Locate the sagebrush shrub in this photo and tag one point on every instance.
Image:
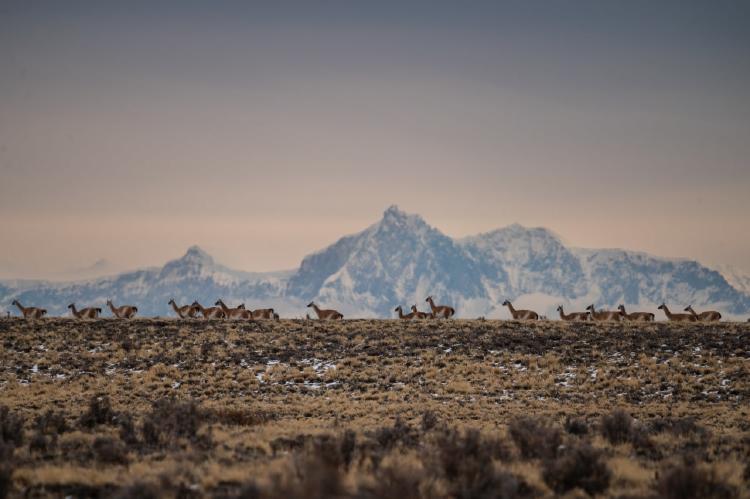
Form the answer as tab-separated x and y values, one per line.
99	412
688	481
11	427
579	466
617	427
535	438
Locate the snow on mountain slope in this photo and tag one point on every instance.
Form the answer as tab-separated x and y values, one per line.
737	278
400	260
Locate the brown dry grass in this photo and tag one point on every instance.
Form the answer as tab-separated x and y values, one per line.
265	408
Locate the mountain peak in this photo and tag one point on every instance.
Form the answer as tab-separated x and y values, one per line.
393	211
393	216
195	254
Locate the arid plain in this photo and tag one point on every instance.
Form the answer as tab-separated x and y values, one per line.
373	408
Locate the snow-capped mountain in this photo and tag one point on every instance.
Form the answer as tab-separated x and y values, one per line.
399	261
195	276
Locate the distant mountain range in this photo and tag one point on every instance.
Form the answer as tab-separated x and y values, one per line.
400	260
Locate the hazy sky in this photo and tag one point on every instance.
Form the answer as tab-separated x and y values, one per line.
262	132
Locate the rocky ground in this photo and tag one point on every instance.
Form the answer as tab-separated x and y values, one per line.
373	408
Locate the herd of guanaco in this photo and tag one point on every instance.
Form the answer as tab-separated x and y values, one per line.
221	311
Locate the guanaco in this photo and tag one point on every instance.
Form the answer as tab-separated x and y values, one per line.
403	316
325	314
573	316
677	317
185	311
234	313
210	312
263	313
85	313
708	316
636	316
603	315
421	315
30	312
521	315
123	312
443	311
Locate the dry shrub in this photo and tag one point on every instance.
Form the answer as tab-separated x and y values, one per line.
617	427
51	423
99	412
466	460
110	450
171	419
399	433
688	481
535	438
429	420
678	426
6	480
397	478
11	428
580	466
127	429
576	426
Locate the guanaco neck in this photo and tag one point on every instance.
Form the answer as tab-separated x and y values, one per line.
666	311
224	307
112	307
20	307
317	309
73	309
432	304
690	309
175	308
510	307
562	314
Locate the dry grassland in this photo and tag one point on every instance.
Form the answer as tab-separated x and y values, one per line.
373	408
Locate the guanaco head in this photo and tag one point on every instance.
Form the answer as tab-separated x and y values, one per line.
560	309
590	308
311	304
71	306
689	308
15	303
506	303
195	304
109	302
218	303
398	309
428	298
662	306
241	306
414	308
43	311
171	302
621	308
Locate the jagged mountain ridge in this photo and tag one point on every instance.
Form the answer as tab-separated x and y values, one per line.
400	260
